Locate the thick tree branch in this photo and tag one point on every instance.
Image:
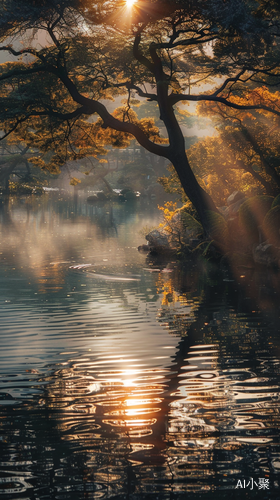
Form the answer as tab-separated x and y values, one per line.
91	106
17	53
139	56
132	86
141	93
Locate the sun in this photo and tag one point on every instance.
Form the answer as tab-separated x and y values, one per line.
129	3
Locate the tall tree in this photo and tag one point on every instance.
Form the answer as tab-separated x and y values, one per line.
163	51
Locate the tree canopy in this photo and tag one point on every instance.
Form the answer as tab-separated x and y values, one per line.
70	57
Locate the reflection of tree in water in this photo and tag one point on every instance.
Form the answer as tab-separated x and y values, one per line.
232	385
181	294
200	424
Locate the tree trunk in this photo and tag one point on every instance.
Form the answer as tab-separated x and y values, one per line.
177	152
199	198
177	155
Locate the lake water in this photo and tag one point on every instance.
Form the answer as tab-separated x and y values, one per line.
129	378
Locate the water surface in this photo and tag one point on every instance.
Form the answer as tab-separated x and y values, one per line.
126	378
